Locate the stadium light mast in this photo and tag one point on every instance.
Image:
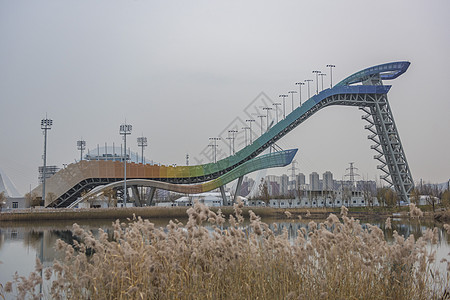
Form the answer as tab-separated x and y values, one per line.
292	93
251	132
142	142
300	90
81	145
276	108
245	129
284	105
321	75
317	80
331	74
261	117
308	81
46	124
125	129
267	116
215	139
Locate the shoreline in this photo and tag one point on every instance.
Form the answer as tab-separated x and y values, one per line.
361	213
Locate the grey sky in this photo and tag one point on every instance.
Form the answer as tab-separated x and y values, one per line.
181	71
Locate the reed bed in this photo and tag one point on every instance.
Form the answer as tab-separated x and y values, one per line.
336	259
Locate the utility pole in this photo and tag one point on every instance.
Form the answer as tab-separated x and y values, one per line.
292	169
352	174
46	124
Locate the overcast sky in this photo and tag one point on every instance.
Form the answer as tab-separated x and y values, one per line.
182	71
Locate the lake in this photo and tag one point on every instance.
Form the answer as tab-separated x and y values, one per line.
21	243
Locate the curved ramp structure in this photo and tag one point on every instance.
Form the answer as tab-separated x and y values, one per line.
363	89
272	160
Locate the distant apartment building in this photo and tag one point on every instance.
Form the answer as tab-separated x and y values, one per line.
246	187
328	183
284	184
314	181
301	179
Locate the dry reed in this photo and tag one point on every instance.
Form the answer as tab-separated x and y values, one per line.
337	259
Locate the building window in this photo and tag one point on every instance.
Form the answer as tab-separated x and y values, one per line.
354	201
15	205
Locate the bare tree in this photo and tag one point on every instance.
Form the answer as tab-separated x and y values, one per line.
415	196
2	200
111	196
264	191
33	200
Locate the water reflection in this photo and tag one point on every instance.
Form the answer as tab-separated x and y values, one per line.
21	243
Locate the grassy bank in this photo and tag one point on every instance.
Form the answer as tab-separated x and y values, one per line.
180	212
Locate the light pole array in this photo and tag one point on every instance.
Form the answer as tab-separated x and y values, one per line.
331	74
267	116
215	139
321	75
251	132
245	130
81	145
142	142
230	139
276	108
292	93
46	124
300	90
261	117
284	105
308	81
317	82
125	129
233	132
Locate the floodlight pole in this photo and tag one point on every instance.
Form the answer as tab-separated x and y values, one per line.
125	129
292	93
308	81
215	139
276	108
261	117
46	124
251	132
142	142
300	90
331	74
284	105
81	144
245	129
267	116
321	75
317	82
